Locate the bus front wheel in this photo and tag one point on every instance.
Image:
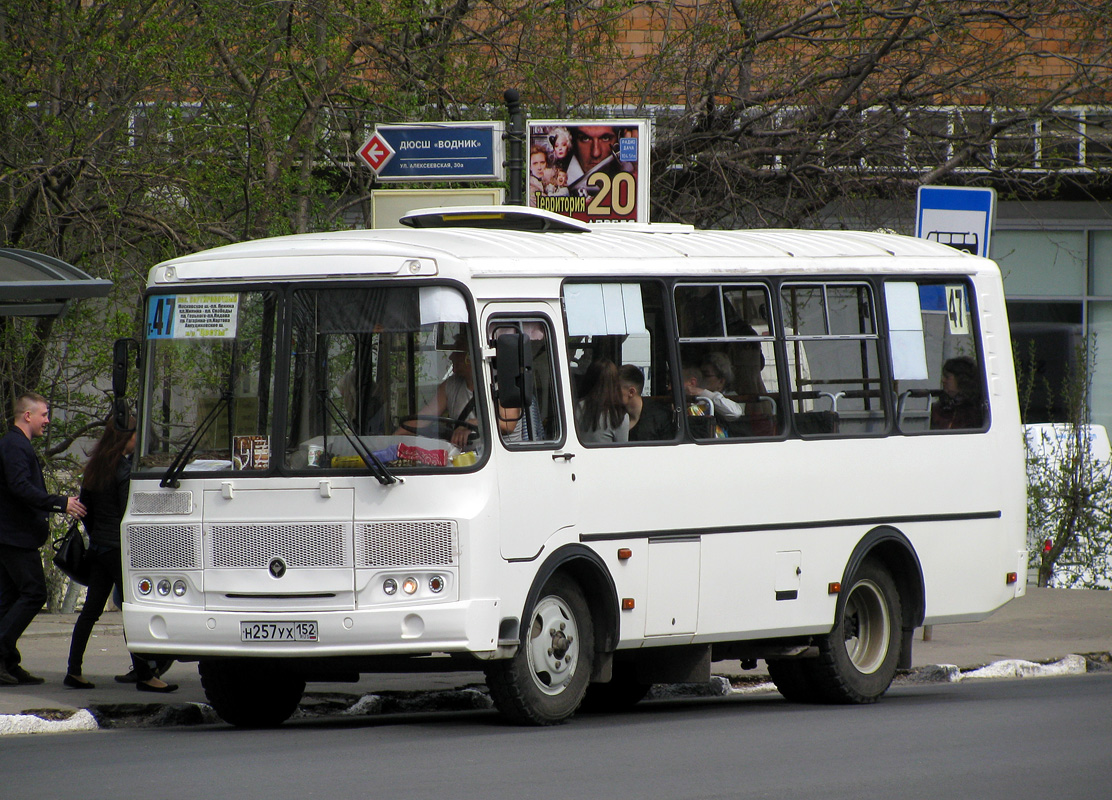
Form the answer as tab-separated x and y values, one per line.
545	681
857	660
250	693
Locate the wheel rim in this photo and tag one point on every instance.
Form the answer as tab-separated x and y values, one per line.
553	646
867	627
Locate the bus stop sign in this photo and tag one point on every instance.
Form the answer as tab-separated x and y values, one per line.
958	216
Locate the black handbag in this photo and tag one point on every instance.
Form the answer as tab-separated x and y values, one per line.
71	555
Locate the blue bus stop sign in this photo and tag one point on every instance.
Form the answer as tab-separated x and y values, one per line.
958	216
440	151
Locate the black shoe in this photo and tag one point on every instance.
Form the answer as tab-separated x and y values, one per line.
7	679
146	687
77	682
159	667
23	677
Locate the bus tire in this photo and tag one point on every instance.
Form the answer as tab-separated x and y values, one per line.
546	680
793	679
250	694
857	660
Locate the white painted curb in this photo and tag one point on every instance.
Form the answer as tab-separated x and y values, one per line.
81	720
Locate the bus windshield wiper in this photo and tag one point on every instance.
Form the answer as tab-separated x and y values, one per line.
170	478
377	468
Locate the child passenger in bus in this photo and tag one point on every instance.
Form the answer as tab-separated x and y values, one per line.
715	377
701	412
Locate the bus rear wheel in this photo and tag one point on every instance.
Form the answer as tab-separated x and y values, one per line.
249	693
545	681
857	660
793	679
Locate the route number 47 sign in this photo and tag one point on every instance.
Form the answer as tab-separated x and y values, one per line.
192	316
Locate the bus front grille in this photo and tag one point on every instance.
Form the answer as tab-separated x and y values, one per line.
162	502
298	544
429	543
164	546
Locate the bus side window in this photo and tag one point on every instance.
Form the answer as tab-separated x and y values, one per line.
834	349
538	420
937	377
727	350
622	329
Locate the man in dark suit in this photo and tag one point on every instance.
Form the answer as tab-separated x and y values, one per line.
595	149
24	505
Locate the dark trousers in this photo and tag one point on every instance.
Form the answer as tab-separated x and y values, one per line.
107	572
22	595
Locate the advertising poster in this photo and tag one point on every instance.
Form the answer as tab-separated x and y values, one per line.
592	170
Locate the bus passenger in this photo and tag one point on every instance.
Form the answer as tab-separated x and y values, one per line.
649	419
960	405
748	363
516	427
700	406
717	375
600	414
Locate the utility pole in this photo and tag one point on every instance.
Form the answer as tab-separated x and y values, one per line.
515	150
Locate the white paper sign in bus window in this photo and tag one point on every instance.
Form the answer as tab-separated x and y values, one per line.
603	309
192	316
905	331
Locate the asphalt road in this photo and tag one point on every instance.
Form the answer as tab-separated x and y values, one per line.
1013	739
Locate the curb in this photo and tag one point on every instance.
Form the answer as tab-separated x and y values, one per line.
476	698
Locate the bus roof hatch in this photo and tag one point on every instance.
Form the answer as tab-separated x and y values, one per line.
513	218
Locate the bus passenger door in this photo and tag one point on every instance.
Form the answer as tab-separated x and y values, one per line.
535	474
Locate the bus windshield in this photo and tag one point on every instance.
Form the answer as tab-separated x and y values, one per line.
378	379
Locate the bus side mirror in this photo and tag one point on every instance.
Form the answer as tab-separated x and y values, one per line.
513	364
121	352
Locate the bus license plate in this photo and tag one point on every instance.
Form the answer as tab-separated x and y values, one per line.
278	631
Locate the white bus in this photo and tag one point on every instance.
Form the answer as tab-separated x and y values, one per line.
366	451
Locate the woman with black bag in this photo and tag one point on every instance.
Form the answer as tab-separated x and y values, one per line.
104	489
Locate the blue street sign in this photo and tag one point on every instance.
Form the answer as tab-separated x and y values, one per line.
444	151
958	216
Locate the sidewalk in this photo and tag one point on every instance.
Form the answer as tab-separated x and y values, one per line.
1045	625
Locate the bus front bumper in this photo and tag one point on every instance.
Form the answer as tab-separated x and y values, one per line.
461	627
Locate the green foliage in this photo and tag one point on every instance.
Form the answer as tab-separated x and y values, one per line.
139	130
1069	484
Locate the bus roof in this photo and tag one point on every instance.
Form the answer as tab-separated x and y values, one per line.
484	250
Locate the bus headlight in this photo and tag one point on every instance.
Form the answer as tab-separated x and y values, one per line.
145	586
389	586
179	588
163	587
436	584
409	585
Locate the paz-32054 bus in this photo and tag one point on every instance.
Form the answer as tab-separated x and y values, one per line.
581	458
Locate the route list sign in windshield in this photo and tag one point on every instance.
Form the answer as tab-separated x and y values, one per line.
192	316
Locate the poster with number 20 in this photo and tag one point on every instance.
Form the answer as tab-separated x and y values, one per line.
592	170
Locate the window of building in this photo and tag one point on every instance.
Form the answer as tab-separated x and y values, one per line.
1059	288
